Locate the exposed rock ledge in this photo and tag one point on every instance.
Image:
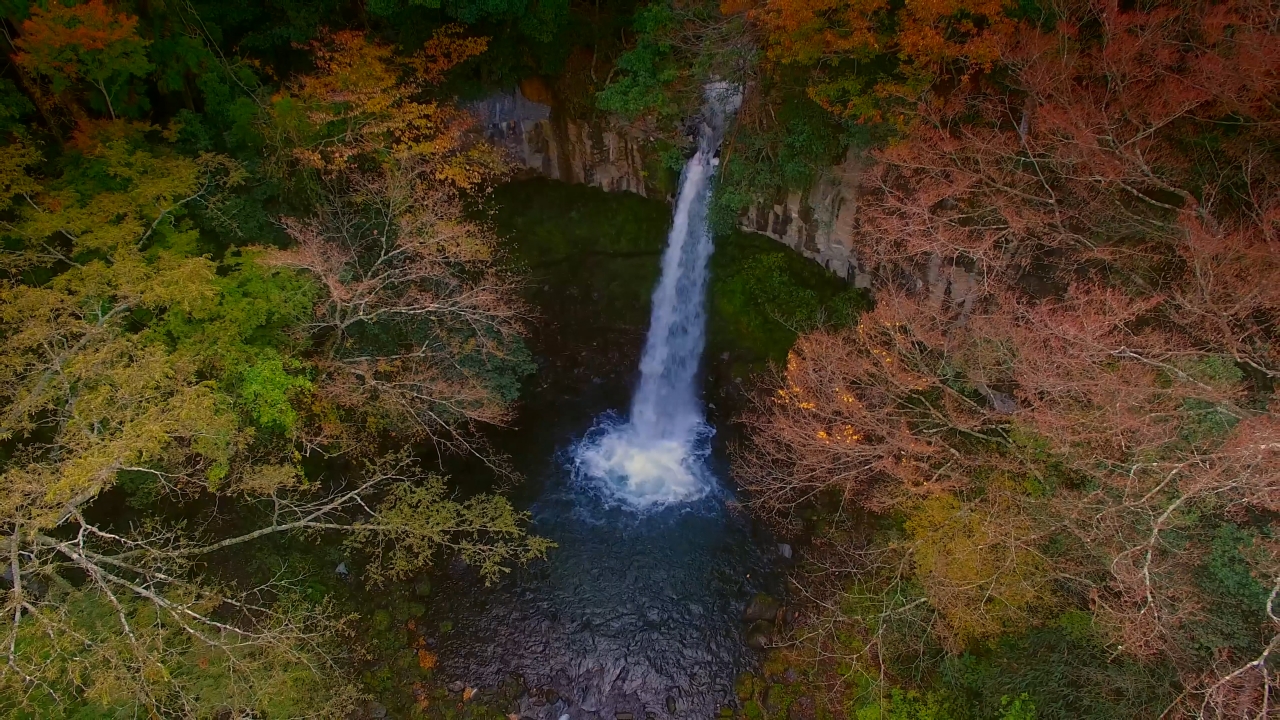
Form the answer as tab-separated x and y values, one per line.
545	142
817	223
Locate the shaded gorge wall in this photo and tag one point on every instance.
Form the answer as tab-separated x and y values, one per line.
615	155
594	255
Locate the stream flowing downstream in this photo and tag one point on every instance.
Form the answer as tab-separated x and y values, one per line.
638	608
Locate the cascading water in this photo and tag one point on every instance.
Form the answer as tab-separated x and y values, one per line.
637	612
656	457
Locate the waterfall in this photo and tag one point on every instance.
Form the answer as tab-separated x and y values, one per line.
656	457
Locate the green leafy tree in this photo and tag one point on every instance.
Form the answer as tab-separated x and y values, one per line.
679	48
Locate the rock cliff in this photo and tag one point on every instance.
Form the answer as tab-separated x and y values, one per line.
615	156
544	141
818	223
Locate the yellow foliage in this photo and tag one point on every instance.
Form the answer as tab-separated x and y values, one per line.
15	158
366	102
119	223
111	400
133	406
977	565
446	49
267	480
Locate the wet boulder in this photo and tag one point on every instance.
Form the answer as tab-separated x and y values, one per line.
762	607
760	635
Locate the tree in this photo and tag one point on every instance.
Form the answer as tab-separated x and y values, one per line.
679	49
83	43
1110	206
980	564
1123	437
103	390
867	404
419	327
867	53
365	104
418	330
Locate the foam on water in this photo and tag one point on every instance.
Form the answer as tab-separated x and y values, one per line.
640	471
656	458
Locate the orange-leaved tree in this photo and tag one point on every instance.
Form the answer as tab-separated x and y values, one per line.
365	106
91	43
419	326
865	53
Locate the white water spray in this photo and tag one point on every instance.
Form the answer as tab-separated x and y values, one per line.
656	458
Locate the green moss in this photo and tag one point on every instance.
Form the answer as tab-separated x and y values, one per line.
407	662
381	679
912	705
663	161
609	245
604	245
762	294
547	222
403	610
745	686
422	588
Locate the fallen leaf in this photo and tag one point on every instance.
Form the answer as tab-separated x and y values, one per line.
468	694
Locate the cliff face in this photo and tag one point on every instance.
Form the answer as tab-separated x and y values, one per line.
817	223
544	142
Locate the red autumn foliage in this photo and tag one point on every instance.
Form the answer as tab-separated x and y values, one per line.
865	413
90	42
1084	150
1112	198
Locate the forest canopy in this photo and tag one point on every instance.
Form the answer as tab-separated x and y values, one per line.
1057	428
244	310
243	304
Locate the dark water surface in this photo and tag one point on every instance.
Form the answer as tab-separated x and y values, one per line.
632	613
